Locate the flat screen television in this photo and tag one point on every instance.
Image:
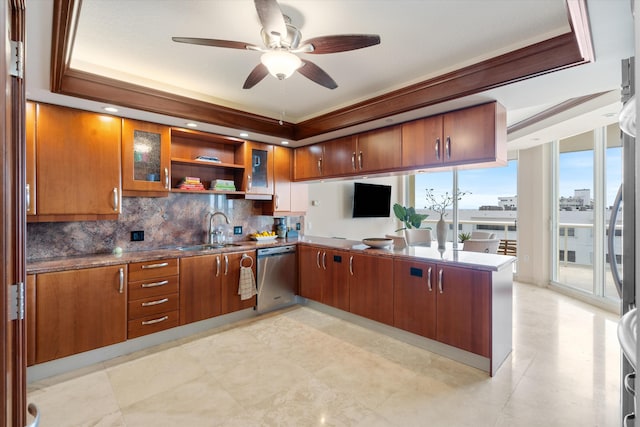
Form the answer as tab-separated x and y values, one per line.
371	200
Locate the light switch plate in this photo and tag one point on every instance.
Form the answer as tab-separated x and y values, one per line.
137	236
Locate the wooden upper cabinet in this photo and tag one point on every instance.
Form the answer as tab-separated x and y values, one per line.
475	135
288	197
146	158
340	156
307	162
258	168
422	142
379	150
77	163
30	136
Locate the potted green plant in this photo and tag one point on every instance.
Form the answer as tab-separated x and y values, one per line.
464	236
412	220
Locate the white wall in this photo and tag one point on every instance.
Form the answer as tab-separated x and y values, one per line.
534	183
332	216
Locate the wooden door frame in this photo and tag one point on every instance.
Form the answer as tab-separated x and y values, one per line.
13	213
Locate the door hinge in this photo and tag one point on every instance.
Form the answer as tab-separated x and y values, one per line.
16	301
16	68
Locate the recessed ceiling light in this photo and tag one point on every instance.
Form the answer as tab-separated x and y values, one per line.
192	125
244	134
110	109
284	142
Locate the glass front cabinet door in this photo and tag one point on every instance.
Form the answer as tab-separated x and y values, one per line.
146	162
258	168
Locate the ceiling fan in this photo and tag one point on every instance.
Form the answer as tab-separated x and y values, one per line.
282	41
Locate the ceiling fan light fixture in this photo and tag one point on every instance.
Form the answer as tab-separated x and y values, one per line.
280	63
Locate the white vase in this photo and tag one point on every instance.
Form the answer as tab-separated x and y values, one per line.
441	232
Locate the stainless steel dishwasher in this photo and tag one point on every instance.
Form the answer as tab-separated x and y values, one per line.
277	277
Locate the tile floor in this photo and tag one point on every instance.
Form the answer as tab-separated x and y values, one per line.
300	367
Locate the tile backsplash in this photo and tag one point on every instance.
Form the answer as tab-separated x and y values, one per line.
179	219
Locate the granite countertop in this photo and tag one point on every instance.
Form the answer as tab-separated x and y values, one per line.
477	260
481	261
49	265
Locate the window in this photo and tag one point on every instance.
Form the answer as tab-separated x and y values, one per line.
571	256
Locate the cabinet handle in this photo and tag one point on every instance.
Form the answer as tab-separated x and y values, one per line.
116	205
166	178
277	201
629	383
28	196
351	265
318	259
33	410
154	284
324	260
438	148
440	281
320	165
226	265
429	279
151	322
218	266
121	290
160	265
629	417
360	160
150	303
353	161
249	182
448	148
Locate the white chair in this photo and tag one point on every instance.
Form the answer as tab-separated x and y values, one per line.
482	235
418	237
489	246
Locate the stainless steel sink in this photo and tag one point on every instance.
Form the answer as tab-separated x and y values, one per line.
207	247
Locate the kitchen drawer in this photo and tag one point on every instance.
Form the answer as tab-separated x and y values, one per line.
153	287
151	269
153	305
153	323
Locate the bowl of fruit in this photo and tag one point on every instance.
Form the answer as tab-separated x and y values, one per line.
264	236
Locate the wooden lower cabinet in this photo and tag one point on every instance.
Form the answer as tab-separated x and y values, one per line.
414	297
209	286
231	263
79	310
449	304
153	297
371	287
464	309
324	275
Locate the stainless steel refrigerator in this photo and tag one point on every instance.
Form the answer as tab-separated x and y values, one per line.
625	275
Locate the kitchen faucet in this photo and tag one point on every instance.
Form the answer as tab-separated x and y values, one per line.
215	236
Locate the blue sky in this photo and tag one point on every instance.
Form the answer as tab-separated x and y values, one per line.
486	185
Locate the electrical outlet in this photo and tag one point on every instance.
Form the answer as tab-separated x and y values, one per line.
237	229
297	226
137	236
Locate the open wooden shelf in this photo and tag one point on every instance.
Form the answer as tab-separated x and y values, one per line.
205	163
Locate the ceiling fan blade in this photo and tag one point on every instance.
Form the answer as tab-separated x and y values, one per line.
216	43
341	43
316	74
256	76
271	17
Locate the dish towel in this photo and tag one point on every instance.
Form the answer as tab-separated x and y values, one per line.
247	285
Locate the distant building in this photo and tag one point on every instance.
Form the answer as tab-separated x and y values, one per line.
508	203
581	201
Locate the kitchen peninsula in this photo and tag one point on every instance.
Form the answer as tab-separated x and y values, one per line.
454	303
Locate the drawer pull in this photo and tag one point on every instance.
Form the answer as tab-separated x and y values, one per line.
150	303
160	265
155	284
154	321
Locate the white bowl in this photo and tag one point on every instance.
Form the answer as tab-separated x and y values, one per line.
377	242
